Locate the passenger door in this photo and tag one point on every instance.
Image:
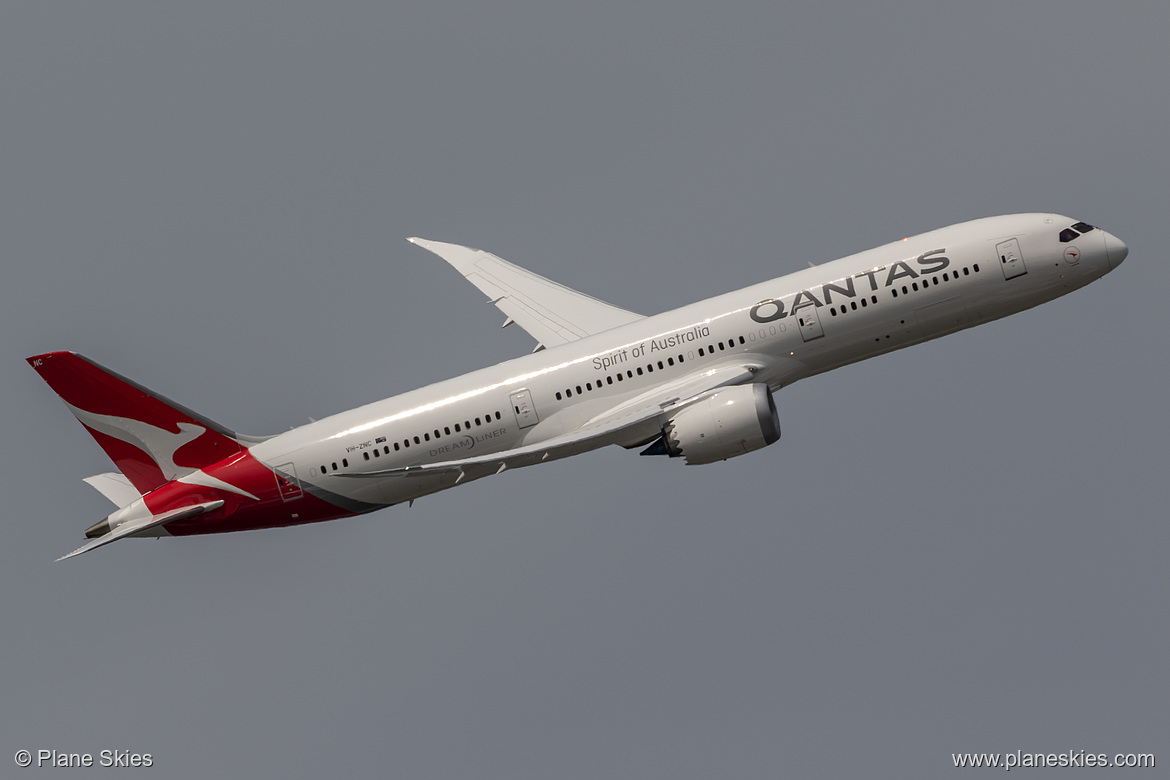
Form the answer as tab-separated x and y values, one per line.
809	320
525	410
1010	259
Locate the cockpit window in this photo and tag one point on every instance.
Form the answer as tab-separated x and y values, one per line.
1084	227
1067	235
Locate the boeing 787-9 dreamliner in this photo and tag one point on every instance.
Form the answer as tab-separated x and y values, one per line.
695	383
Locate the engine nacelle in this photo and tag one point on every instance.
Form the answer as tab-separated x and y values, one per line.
729	422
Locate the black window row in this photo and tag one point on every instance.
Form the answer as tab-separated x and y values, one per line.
935	280
649	368
619	376
833	310
419	439
711	347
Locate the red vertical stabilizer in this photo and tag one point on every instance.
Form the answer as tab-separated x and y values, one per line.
150	438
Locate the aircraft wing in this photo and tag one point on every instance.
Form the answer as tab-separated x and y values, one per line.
151	521
663	399
550	312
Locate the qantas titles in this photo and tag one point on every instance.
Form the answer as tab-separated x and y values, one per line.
774	309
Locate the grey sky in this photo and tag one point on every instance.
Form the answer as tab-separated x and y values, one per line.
959	547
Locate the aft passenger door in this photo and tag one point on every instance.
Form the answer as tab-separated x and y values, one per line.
287	482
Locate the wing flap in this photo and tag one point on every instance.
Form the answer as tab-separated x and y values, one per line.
551	313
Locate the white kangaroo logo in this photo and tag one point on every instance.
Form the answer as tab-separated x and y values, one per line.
159	444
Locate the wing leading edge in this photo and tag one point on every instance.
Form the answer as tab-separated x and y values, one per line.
551	313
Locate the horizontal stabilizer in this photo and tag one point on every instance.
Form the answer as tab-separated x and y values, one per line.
115	487
146	523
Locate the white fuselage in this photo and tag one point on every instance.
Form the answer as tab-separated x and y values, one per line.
794	326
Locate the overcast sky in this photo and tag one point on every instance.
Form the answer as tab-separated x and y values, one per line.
958	547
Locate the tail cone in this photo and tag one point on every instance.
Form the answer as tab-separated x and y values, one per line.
98	529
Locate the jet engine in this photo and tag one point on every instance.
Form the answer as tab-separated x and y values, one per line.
727	423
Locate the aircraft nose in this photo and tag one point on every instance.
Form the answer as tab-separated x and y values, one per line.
1115	248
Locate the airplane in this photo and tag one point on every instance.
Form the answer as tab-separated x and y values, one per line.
695	383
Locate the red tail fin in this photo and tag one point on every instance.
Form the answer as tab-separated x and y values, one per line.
152	439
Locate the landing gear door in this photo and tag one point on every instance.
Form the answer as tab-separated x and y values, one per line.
809	320
1010	259
524	409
